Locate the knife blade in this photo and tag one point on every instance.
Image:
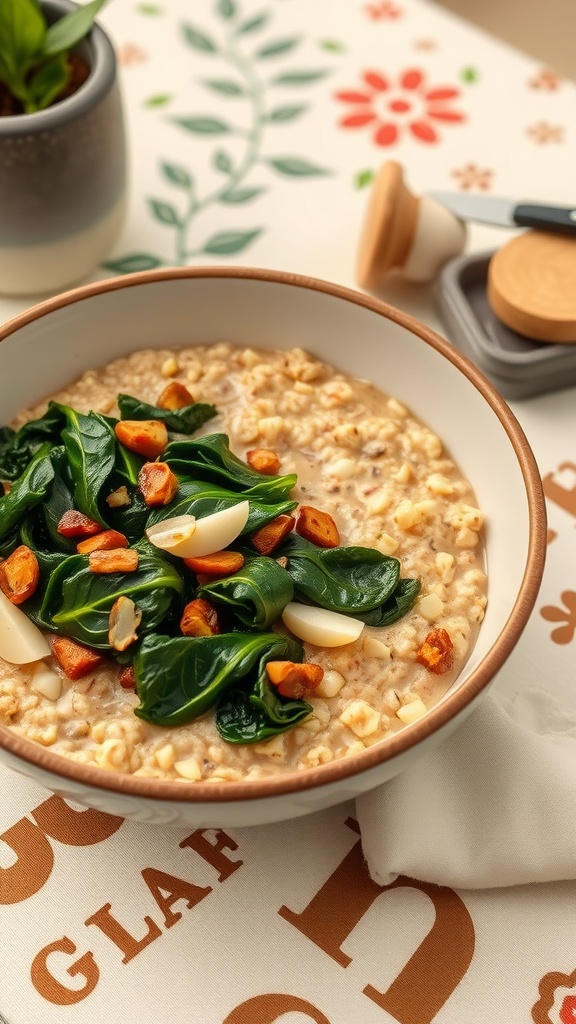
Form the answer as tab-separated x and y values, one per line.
509	213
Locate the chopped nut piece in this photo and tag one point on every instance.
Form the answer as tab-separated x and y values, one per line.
46	681
174	396
411	711
145	437
220	563
374	648
123	622
199	618
116	560
362	718
431	607
19	574
76	524
74	659
437	652
294	680
331	684
189	769
169	367
157	483
263	460
317	527
126	678
269	537
105	541
118	498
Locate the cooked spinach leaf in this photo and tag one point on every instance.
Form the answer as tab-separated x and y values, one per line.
200	499
27	491
17	448
184	421
91	450
255	595
351	580
179	678
395	607
209	458
78	602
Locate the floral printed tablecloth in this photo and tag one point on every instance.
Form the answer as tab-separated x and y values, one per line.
255	128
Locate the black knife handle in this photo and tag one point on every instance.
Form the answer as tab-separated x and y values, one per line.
547	218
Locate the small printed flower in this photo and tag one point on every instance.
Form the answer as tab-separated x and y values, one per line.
131	54
425	44
386	9
545	79
471	176
557	1002
564	634
542	132
392	107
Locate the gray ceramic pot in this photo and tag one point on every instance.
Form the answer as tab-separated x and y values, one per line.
63	178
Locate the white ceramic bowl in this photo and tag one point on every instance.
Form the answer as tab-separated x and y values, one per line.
51	344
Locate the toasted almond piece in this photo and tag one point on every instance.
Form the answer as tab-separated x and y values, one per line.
292	679
200	618
105	541
21	642
263	460
319	626
46	681
127	678
188	769
74	659
157	483
145	437
317	527
76	524
19	574
437	652
123	621
219	563
115	560
270	536
411	711
118	498
206	535
174	396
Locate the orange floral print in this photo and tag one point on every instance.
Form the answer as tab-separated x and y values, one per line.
473	176
564	634
542	132
550	996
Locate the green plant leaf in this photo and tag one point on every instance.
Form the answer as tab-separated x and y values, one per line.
396	606
69	30
286	113
364	178
176	175
255	596
198	40
150	9
227	243
255	23
164	212
277	48
22	35
331	46
187	420
226	8
90	446
241	195
210	458
223	162
203	125
298	77
27	491
295	166
78	602
158	101
17	448
47	83
224	86
133	263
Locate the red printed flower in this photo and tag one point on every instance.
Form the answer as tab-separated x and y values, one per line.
392	107
384	9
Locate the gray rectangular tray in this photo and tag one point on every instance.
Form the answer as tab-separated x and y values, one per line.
518	366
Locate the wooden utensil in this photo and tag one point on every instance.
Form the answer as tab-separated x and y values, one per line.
532	286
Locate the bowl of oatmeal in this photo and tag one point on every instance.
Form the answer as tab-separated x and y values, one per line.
264	540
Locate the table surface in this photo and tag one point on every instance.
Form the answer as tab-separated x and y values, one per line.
254	100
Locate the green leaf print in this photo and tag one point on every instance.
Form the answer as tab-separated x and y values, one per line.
298	77
134	262
278	47
224	86
364	178
158	101
240	195
203	125
295	166
227	243
286	113
222	162
177	175
255	23
198	40
226	8
164	212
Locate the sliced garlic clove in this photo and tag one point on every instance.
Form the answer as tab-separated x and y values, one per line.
21	642
212	533
171	533
319	626
46	681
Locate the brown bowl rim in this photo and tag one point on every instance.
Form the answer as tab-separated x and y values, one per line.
334	772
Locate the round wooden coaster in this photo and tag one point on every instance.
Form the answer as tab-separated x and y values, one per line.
532	286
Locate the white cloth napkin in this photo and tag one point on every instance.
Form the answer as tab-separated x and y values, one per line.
494	805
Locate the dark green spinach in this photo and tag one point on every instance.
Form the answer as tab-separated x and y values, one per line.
397	605
255	596
17	448
91	447
27	491
187	420
199	499
209	458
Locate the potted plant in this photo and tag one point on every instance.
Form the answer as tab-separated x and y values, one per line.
62	151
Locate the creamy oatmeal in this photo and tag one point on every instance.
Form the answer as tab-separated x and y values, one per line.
367	466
